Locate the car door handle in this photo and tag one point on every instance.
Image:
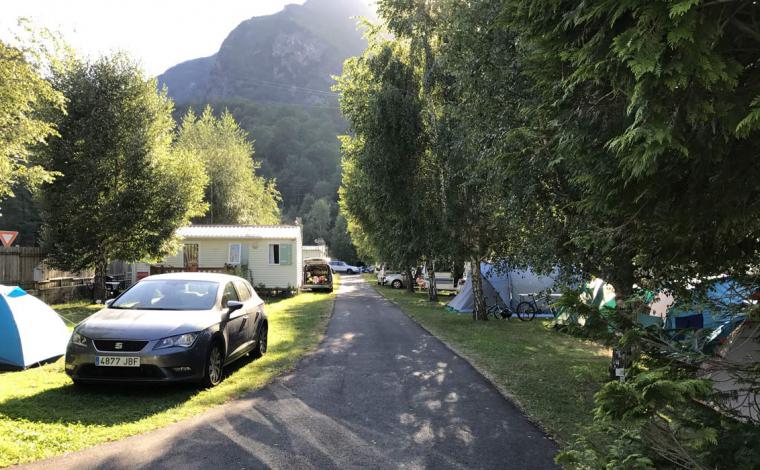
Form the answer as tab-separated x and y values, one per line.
245	320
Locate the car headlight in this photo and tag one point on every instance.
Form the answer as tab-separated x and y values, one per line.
78	339
184	341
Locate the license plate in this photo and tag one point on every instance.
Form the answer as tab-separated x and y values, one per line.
117	361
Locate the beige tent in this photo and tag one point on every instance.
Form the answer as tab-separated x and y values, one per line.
742	348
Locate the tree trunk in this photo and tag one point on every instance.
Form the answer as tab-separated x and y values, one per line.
622	280
457	272
479	301
411	280
431	285
99	287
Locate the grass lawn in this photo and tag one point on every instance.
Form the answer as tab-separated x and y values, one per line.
42	414
552	376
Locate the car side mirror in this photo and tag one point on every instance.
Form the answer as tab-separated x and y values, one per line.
231	305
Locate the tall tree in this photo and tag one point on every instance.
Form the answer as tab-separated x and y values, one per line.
122	192
235	194
317	221
340	244
467	200
380	96
617	138
651	108
643	93
26	99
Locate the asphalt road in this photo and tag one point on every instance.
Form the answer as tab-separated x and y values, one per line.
380	392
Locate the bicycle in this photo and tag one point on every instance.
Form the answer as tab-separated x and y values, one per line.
502	311
530	307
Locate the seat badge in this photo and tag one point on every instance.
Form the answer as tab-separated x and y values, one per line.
118	345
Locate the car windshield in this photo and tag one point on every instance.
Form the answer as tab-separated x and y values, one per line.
169	294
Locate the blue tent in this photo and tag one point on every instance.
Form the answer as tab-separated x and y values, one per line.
30	331
724	298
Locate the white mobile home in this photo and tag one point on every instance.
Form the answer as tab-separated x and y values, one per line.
268	255
315	251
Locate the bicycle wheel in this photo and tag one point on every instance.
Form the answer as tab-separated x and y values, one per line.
526	311
493	311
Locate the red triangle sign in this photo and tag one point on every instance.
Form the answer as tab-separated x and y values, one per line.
7	237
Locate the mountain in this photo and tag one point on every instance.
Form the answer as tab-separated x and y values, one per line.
274	73
287	57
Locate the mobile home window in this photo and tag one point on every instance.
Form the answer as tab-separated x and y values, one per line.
274	254
234	255
190	255
280	254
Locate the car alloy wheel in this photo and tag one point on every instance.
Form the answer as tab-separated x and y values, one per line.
396	284
263	339
261	344
214	366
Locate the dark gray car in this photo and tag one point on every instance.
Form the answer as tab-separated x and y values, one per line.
179	327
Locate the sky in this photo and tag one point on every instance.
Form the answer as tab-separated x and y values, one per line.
159	33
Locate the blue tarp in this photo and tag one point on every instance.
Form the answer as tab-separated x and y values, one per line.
722	302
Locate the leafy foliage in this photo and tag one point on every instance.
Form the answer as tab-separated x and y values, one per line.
235	194
383	162
21	214
26	99
614	139
122	191
641	93
317	221
296	147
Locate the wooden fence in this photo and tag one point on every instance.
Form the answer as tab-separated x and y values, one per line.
25	266
17	264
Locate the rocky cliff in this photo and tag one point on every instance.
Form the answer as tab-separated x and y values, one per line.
288	57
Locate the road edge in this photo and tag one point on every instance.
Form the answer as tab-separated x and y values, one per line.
486	375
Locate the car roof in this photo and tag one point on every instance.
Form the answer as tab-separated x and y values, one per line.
185	276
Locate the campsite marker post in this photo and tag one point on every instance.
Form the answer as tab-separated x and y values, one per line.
8	237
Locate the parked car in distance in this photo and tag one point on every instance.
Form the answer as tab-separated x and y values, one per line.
341	267
178	327
317	275
395	279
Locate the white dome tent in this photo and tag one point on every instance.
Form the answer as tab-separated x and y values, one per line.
506	286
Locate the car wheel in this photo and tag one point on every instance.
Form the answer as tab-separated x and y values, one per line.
80	385
261	344
214	365
349	271
397	284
